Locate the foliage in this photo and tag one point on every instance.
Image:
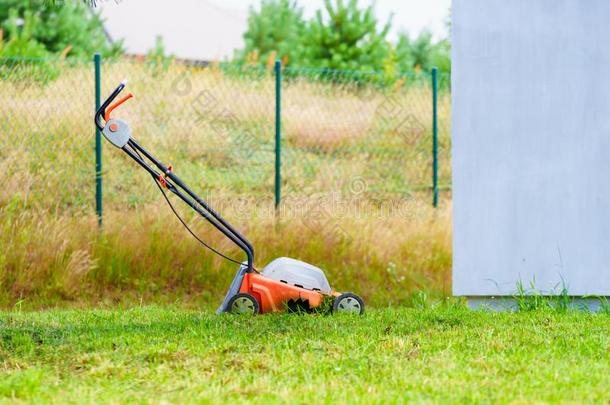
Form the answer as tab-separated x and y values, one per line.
20	37
158	59
21	44
167	354
441	56
274	31
532	299
66	28
341	36
422	53
345	37
604	305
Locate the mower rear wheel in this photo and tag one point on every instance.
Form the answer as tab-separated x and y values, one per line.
243	303
349	303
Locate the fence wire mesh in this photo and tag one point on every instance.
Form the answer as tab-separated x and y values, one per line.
46	146
360	132
343	126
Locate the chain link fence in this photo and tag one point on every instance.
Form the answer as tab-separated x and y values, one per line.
46	142
341	131
340	126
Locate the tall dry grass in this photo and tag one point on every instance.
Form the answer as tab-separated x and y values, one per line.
145	255
378	237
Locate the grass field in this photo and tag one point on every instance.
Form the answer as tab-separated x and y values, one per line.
444	354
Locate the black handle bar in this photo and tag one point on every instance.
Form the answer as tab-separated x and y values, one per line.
99	114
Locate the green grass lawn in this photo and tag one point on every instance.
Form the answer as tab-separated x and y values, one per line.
158	354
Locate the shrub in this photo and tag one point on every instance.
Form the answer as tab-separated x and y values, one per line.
345	37
66	28
157	58
422	53
274	31
23	57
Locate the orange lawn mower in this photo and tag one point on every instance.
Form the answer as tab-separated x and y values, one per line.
284	284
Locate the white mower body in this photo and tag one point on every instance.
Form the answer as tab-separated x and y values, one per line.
297	273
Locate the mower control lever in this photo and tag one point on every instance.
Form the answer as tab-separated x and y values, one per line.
115	131
115	105
101	112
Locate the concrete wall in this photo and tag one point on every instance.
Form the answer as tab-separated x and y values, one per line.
531	145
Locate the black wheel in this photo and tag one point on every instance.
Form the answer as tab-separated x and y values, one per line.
243	303
349	303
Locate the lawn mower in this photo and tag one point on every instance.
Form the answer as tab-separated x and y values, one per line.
284	284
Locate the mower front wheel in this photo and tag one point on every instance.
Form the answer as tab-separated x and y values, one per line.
349	303
243	303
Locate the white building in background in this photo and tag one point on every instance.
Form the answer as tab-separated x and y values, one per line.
531	147
196	30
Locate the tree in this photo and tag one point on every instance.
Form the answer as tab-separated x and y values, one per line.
20	44
422	53
20	37
346	38
441	56
158	60
341	36
273	32
414	54
69	28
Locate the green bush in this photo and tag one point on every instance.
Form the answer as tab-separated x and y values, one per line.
157	59
22	57
422	53
67	28
345	37
21	42
274	31
342	37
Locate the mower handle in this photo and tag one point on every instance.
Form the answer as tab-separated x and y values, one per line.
105	109
167	178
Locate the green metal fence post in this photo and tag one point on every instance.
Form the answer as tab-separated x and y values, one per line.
97	59
278	128
434	137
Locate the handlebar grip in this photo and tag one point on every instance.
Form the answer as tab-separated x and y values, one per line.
99	114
